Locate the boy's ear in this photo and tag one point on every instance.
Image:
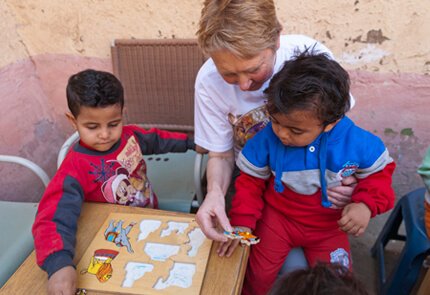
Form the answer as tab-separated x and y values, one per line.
71	119
330	126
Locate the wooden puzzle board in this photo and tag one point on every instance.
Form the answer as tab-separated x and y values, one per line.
132	273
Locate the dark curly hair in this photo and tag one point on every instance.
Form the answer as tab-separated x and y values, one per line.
322	279
310	81
93	88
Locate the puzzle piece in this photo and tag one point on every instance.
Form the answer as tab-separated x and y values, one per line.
119	235
245	237
100	264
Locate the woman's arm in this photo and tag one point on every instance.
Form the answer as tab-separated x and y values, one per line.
211	214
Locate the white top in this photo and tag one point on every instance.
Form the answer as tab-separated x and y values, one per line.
215	99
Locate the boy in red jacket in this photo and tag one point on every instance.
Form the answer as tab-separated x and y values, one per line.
106	165
286	168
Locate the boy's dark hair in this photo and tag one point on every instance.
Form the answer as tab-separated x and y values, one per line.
93	88
322	279
310	81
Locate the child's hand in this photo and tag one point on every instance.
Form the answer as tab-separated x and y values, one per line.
63	281
355	218
227	248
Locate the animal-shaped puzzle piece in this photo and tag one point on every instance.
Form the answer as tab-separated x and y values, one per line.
119	235
100	264
245	237
181	275
134	271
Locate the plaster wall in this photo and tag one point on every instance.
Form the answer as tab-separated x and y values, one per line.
383	44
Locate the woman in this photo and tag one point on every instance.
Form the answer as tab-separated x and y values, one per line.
244	42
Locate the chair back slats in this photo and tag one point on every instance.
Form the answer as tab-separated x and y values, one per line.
158	78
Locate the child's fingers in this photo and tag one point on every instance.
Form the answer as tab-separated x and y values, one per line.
360	231
344	220
354	230
223	247
346	224
232	247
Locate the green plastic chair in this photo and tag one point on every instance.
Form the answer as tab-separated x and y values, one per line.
17	219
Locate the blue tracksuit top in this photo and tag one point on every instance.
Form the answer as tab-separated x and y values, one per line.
343	151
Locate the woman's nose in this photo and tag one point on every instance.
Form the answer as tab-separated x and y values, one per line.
244	82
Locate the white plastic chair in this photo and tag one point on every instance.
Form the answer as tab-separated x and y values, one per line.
17	219
166	173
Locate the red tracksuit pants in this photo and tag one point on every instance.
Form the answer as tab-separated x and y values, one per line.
278	235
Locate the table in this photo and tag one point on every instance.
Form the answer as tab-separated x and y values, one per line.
223	275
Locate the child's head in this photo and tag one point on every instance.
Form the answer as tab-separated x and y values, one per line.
322	279
242	27
308	96
96	101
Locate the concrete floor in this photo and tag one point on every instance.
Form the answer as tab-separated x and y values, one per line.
364	265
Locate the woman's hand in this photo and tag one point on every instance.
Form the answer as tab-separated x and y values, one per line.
340	195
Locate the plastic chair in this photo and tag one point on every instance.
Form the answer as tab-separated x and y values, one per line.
410	209
17	219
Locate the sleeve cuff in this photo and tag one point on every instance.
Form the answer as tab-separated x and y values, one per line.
243	220
361	198
56	261
191	145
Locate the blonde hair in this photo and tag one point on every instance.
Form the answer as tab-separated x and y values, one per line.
243	27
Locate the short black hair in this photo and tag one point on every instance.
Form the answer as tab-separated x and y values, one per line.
93	88
321	279
310	81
